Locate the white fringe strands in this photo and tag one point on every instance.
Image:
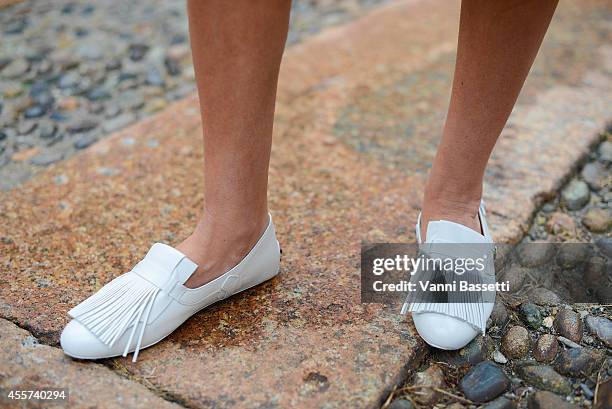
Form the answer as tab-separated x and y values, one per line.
125	301
468	306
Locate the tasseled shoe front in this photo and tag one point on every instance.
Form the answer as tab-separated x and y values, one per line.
453	318
140	308
123	303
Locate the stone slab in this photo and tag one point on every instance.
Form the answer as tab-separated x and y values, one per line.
29	365
359	113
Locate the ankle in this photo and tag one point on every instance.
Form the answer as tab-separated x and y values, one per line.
450	204
219	243
450	207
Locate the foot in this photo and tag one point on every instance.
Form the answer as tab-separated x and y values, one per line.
218	244
453	324
464	212
143	306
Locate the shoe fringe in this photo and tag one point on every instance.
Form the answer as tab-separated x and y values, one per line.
467	306
125	301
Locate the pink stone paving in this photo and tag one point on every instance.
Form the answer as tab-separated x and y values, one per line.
29	365
302	340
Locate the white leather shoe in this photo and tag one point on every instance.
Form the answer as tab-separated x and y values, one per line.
140	308
453	325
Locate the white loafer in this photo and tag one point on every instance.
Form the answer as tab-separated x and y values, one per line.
140	308
451	325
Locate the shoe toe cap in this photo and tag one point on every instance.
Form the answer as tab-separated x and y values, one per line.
442	331
77	341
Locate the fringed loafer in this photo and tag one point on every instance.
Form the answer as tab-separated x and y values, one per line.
140	308
452	324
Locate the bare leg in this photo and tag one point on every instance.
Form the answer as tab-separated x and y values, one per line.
237	48
498	41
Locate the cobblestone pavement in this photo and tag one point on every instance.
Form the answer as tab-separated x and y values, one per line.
74	71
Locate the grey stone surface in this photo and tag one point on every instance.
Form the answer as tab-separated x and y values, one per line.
82	124
118	122
605	245
568	342
531	315
16	68
605	151
548	400
576	195
477	350
484	382
401	404
499	357
601	327
595	175
46	158
85	141
544	377
576	362
500	403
